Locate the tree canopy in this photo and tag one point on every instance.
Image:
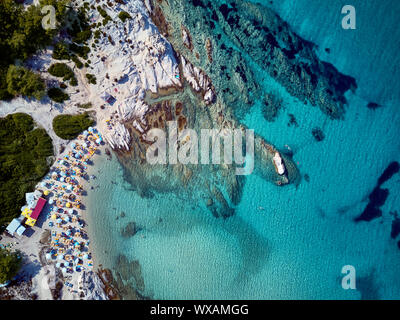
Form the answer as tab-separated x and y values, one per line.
21	81
10	264
23	162
21	35
70	126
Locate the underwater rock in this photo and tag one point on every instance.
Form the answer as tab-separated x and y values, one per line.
392	169
257	31
128	269
272	105
395	228
373	106
318	134
209	49
130	230
378	196
292	120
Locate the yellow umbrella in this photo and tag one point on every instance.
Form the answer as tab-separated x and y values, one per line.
46	192
68	205
53	217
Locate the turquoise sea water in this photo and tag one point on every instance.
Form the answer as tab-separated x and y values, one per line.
290	242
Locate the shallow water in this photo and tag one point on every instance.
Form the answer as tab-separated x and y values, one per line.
290	242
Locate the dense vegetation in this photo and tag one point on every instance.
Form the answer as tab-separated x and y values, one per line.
21	81
70	126
91	78
21	35
23	162
61	70
10	263
123	15
57	95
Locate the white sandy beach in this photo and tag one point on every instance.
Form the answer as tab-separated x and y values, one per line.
137	60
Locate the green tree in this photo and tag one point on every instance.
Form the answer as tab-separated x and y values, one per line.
21	81
23	162
10	264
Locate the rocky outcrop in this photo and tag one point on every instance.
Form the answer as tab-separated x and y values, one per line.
92	286
119	137
198	80
186	38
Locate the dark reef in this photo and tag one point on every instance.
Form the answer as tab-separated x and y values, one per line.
255	32
378	196
318	134
373	106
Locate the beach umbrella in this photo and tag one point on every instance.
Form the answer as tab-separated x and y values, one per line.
85	145
67	219
64	270
48	256
69	187
73	145
58	264
68	205
71	211
54	217
46	192
51	201
86	256
43	184
90	129
98	141
59	220
60	257
62	179
68	233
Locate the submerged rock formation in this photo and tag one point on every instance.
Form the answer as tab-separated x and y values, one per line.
258	32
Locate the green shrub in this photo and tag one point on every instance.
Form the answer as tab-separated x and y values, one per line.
97	34
23	162
83	36
91	78
61	51
81	51
10	264
61	70
123	15
70	126
57	95
102	12
78	63
85	105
